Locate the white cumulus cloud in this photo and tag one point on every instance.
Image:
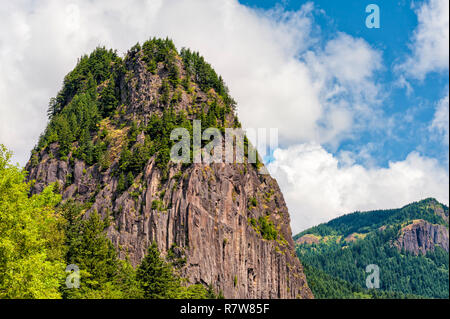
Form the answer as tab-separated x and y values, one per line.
319	186
440	121
430	41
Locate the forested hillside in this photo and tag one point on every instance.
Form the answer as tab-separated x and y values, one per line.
409	245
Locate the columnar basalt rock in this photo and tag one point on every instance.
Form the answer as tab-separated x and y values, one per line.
201	213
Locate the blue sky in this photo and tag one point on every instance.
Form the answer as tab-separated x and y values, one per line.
398	21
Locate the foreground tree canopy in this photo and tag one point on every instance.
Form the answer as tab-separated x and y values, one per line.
31	237
40	236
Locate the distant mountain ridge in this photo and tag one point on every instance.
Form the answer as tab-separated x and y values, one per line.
410	245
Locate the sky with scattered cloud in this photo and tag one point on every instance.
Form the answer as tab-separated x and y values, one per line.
362	114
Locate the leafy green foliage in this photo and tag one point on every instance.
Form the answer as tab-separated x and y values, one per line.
162	51
265	227
31	237
400	272
121	184
103	275
158	280
108	99
253	202
156	276
95	68
158	205
157	142
204	75
158	50
76	111
324	286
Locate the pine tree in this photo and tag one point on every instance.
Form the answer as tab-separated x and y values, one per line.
91	86
65	137
108	99
156	277
130	179
173	72
165	92
121	183
53	107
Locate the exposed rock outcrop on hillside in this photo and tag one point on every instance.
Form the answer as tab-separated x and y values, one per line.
307	239
421	236
201	213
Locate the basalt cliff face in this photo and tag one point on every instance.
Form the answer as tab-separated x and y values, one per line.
107	147
420	236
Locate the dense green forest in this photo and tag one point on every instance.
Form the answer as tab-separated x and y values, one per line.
325	286
40	236
335	267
